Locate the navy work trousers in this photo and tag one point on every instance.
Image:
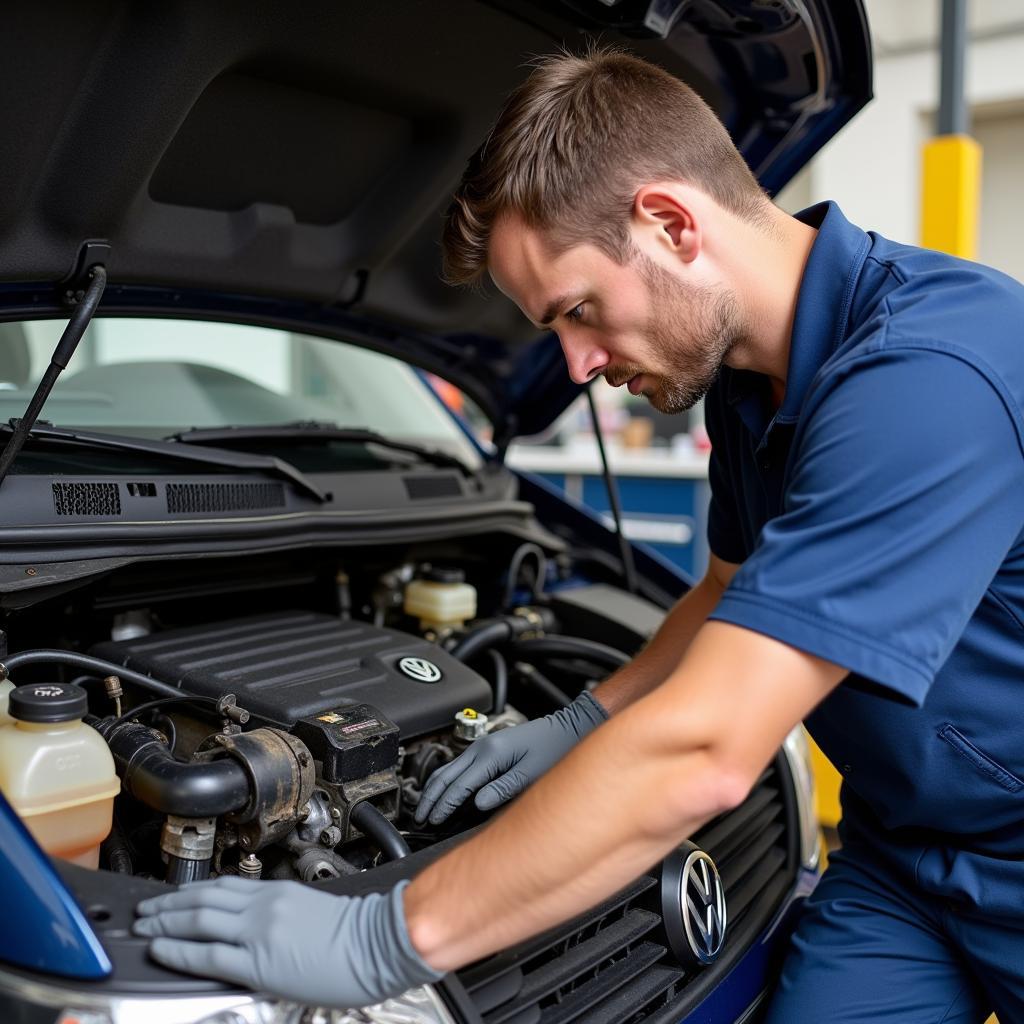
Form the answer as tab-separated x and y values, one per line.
870	948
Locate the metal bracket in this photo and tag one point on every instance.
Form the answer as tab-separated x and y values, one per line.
91	252
353	288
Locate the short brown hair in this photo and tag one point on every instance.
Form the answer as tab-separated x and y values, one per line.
572	145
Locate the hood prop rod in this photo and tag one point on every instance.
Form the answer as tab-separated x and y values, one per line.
628	568
80	317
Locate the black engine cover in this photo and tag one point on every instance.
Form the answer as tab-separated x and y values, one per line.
288	665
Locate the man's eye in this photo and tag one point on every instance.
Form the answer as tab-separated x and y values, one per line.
576	313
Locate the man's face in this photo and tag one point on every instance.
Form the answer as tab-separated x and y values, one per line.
638	323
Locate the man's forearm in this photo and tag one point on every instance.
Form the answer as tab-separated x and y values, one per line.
662	655
580	833
632	790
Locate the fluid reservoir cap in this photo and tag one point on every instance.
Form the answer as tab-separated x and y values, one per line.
470	724
48	702
442	574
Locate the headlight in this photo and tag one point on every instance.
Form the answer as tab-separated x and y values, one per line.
417	1006
798	754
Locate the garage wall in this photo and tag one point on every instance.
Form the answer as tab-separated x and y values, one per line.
1000	130
873	167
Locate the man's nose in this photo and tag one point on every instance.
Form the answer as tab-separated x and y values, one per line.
585	359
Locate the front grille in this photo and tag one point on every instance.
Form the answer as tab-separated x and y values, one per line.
86	500
224	497
613	965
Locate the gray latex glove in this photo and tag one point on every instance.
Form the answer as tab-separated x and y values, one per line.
506	762
288	940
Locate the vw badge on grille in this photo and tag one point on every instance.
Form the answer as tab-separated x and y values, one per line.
693	905
420	669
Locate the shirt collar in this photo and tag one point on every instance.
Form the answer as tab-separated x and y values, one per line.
820	323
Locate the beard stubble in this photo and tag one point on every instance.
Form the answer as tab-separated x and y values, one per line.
690	332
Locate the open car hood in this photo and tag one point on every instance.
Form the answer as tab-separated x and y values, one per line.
289	164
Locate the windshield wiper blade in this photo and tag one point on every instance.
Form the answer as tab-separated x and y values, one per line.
314	430
221	457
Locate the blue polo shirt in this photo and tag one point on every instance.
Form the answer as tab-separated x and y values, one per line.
879	517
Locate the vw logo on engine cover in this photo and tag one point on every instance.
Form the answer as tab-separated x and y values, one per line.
693	905
420	669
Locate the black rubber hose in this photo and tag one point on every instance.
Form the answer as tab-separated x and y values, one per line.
543	685
153	775
421	764
572	646
500	682
515	567
481	638
87	663
181	871
115	849
375	826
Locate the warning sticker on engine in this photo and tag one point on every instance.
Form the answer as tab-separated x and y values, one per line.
359	726
354	721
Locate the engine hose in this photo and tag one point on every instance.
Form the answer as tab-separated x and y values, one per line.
571	646
87	663
481	638
425	761
542	684
500	682
181	871
375	826
499	631
515	567
115	849
153	775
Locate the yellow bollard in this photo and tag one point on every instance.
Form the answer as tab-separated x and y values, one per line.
951	195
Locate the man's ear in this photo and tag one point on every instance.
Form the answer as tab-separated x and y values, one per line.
666	210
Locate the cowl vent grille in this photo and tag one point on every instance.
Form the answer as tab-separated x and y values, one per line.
422	488
86	500
613	964
224	497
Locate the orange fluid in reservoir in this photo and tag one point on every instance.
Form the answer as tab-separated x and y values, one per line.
60	778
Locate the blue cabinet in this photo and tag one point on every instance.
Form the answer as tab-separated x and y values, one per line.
664	500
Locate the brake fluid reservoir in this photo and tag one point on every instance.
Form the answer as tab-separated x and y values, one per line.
57	772
440	598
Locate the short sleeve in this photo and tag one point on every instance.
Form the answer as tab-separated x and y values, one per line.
905	495
725	533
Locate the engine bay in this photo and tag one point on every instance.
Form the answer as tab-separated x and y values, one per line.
278	717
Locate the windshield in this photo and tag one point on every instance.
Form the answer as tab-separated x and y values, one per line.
153	378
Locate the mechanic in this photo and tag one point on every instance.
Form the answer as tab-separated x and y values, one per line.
864	400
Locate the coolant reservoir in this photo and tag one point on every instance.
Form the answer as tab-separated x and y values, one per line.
5	688
57	772
440	599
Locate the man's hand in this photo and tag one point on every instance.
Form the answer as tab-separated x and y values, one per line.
287	939
620	799
508	761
